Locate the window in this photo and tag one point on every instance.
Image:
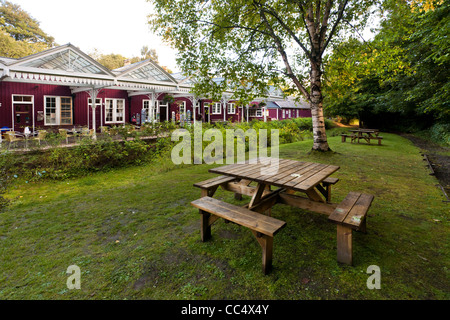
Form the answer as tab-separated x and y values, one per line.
253	112
114	110
146	107
231	108
66	110
182	105
57	110
150	112
216	108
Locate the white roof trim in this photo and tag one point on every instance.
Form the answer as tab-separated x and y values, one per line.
141	64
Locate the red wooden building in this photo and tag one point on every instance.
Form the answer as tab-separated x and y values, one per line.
56	88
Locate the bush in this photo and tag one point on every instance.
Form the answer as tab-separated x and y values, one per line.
440	132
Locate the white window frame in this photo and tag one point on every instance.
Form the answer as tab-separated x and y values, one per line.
150	116
216	106
255	112
231	108
57	110
182	107
115	111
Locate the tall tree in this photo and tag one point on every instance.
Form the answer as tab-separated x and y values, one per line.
402	71
147	53
250	43
20	34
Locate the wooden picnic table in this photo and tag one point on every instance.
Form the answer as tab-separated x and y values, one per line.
365	134
279	184
278	181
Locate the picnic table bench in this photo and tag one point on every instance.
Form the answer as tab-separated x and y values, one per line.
281	187
262	226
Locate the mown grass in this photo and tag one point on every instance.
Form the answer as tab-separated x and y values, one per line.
134	235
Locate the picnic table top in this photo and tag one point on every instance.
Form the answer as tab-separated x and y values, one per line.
290	174
364	130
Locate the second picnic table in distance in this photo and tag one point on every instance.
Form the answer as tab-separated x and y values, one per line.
366	134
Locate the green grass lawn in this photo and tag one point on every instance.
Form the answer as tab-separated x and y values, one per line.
134	235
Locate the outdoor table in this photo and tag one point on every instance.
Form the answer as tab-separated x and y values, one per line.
290	177
366	134
280	184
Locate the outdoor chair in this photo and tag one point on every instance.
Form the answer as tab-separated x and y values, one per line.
63	134
13	137
41	134
87	133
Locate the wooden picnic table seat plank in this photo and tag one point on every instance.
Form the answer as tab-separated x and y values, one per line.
344	207
330	180
242	216
351	212
214	182
262	227
358	212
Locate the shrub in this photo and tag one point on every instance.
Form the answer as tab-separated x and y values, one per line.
440	132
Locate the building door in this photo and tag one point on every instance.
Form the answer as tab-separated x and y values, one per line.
206	110
23	113
162	113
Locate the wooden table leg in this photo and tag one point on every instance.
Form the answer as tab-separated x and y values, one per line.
266	244
314	195
257	195
344	245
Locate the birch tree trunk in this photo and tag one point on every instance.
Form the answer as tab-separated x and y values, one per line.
318	122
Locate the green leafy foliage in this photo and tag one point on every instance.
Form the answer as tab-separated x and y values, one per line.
400	79
20	34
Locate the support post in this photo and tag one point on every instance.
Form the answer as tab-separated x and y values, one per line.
266	243
344	245
205	226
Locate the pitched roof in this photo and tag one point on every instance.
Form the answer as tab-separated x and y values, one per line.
290	102
144	70
66	58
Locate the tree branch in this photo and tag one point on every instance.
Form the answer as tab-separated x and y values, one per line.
283	54
340	14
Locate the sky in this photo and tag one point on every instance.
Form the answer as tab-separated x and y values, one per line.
110	26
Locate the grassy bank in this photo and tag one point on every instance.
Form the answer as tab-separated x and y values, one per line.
134	235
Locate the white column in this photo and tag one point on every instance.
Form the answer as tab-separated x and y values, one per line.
151	108
194	108
93	93
224	102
